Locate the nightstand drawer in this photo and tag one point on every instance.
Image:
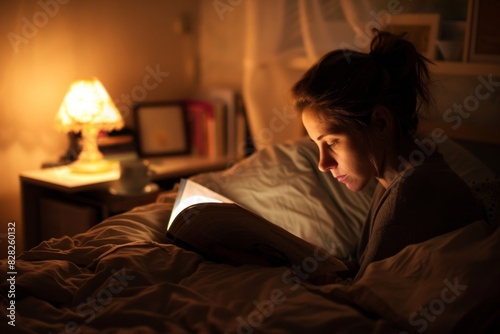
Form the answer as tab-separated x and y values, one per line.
59	218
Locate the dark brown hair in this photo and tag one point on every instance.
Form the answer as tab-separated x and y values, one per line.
344	86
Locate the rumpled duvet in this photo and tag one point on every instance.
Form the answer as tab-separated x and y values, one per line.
123	276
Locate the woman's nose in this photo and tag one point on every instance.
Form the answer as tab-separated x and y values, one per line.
326	162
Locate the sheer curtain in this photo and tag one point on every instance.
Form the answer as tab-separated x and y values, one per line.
283	38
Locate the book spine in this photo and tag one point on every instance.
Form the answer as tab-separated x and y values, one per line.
218	124
199	114
220	130
226	96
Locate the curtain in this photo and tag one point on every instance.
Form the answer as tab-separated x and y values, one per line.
283	38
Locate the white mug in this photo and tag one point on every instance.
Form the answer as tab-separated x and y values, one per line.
134	175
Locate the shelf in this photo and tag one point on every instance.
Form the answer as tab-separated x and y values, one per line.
468	132
440	67
461	68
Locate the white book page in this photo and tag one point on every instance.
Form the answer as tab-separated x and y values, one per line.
193	193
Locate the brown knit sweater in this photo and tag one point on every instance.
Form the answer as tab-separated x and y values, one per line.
424	202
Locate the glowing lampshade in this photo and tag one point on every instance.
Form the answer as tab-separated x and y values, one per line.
88	108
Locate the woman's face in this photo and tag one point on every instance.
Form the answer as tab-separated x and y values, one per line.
340	153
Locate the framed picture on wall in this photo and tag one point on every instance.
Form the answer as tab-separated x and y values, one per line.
161	128
484	40
420	29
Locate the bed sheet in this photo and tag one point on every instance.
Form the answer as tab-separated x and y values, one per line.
124	276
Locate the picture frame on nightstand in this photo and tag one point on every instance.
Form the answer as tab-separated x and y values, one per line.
483	37
421	29
161	128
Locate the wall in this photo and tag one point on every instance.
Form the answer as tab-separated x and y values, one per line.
222	43
47	44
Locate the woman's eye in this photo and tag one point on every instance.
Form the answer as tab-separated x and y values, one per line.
333	144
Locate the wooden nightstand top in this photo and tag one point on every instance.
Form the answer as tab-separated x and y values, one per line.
63	179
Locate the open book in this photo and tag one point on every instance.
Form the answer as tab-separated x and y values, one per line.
224	231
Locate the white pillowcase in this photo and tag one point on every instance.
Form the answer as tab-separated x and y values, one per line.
283	184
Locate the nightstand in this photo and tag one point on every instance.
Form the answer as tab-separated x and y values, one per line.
57	202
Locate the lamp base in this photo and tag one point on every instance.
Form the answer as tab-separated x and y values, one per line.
98	166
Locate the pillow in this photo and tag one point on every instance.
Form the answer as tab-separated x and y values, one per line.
283	184
464	163
485	185
488	195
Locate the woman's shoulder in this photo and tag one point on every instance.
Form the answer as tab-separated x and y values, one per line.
429	173
435	198
435	185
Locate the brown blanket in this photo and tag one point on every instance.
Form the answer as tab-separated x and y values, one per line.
123	276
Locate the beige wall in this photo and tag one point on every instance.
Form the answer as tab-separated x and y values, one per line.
222	43
47	44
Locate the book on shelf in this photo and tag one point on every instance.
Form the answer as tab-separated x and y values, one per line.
198	113
224	231
227	97
244	141
207	126
217	123
238	134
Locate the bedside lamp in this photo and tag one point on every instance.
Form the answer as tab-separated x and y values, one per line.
88	108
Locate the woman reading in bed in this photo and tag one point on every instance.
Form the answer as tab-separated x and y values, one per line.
362	112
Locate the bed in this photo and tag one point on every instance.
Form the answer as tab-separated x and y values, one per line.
125	276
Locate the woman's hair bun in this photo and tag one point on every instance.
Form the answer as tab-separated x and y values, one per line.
396	54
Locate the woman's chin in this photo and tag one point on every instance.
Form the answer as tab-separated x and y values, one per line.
354	186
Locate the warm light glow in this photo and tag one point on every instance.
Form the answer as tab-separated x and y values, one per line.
87	102
88	108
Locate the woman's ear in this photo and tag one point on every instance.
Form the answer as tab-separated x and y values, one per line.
382	121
